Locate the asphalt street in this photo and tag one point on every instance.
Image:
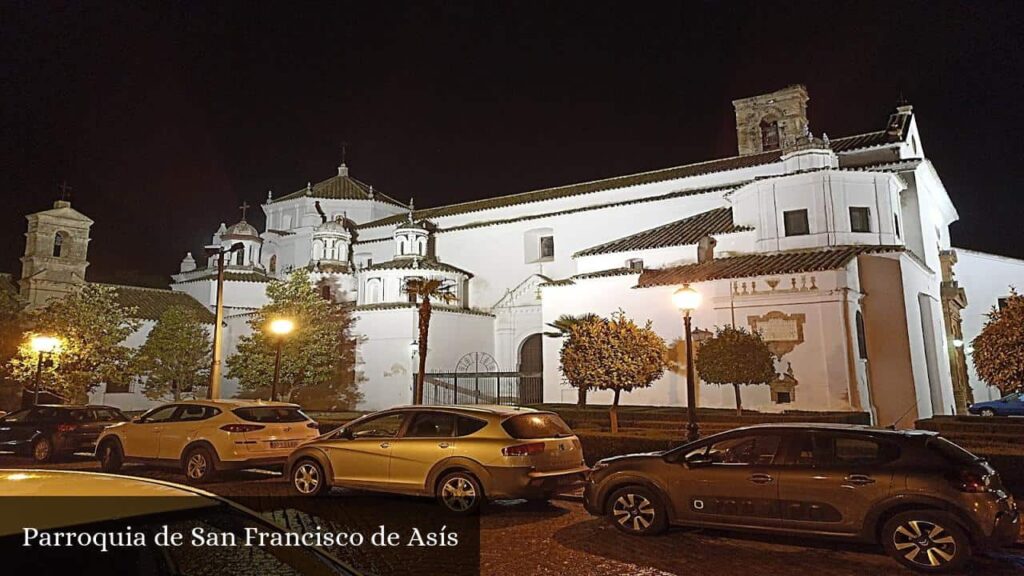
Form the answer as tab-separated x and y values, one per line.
560	538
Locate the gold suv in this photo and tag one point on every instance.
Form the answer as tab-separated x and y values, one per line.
462	455
204	436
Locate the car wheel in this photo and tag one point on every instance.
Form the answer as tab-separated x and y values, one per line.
926	541
988	412
460	493
111	456
198	465
42	450
308	478
637	510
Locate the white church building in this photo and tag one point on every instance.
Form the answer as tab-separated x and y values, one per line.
836	249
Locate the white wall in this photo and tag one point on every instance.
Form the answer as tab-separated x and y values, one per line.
985	278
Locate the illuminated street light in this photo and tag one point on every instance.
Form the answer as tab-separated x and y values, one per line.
279	327
687	300
42	345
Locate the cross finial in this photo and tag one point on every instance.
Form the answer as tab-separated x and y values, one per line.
412	208
65	191
344	151
244	207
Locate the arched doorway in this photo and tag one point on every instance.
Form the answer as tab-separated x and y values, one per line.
531	370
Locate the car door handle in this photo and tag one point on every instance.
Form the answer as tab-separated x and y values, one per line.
443	445
761	478
384	444
859	479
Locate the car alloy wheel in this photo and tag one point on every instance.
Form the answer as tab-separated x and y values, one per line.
197	465
988	412
306	478
458	494
924	543
634	512
42	450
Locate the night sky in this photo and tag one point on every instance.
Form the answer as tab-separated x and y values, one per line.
165	118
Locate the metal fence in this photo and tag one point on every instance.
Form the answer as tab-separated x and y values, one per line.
507	388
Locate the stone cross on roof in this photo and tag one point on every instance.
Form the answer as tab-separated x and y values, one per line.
244	207
65	191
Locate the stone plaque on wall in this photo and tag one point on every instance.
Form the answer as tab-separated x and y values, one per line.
782	332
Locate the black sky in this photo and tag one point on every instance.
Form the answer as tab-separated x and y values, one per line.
165	116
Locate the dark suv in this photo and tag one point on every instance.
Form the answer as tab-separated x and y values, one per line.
49	431
928	501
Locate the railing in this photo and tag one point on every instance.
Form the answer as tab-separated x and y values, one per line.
506	388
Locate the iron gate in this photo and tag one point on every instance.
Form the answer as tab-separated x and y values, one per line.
505	388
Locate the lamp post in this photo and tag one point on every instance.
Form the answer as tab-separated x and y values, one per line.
219	252
280	328
42	345
687	300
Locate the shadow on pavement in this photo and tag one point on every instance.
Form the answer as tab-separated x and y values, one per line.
508	513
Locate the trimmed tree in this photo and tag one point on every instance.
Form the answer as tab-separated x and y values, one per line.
999	349
175	359
92	326
12	328
735	356
317	358
562	327
424	291
614	355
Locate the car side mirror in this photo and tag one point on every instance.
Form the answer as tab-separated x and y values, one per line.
138	419
698	461
345	433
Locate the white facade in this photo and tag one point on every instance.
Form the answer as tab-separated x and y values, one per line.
830	248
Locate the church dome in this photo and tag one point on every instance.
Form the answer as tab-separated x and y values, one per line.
339	225
242	228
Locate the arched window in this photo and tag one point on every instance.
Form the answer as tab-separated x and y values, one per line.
58	244
769	135
273	263
862	342
325	292
240	257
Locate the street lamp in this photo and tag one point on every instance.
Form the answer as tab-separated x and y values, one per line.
280	327
219	252
42	345
687	300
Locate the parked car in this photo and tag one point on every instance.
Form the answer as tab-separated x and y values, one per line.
50	431
462	455
927	501
205	436
1009	405
147	507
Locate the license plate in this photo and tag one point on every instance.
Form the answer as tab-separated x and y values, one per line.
284	443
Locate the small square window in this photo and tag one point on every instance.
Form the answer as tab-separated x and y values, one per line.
635	264
1002	303
896	223
795	222
547	247
860	219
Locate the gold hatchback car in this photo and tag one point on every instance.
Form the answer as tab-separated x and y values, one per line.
204	436
461	455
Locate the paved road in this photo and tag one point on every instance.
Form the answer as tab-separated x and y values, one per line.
560	538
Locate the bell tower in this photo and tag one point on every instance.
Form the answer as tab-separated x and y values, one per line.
771	121
56	253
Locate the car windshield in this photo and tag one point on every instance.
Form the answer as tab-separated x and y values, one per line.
536	425
1013	396
271	414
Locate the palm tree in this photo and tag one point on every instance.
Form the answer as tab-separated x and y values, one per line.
423	290
563	324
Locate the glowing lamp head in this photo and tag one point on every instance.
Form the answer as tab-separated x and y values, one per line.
686	299
45	344
281	326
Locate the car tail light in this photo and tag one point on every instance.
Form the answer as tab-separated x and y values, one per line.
65	428
313	425
971	480
523	449
241	427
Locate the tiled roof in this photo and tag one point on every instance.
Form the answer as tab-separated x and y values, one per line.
857	141
434	305
231	277
340	187
749	265
679	233
733	163
151	303
413	264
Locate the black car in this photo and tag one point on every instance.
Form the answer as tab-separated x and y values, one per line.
49	431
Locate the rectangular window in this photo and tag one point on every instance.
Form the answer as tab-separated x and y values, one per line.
547	247
896	223
1003	302
795	222
635	264
860	219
